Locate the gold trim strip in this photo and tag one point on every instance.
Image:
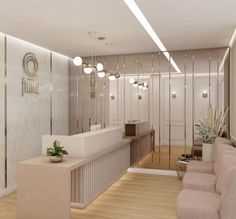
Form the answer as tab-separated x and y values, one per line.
51	93
124	90
5	112
209	79
218	79
169	110
77	102
159	113
193	100
185	105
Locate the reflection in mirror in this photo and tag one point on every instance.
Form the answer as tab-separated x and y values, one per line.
151	96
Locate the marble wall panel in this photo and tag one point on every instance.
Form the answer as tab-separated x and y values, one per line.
28	116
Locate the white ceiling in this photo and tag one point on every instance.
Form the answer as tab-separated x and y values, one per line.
63	26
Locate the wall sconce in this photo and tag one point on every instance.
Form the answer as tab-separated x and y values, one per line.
112	96
173	94
204	94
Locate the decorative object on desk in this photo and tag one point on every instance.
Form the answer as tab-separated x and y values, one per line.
56	152
211	125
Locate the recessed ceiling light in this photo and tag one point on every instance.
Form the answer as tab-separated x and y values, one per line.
146	25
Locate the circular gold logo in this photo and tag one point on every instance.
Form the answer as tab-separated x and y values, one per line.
30	64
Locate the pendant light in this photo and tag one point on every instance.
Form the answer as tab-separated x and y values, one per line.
140	86
112	77
101	74
135	84
88	69
117	75
77	61
131	80
99	66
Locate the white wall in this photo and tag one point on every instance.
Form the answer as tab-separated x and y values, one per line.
28	116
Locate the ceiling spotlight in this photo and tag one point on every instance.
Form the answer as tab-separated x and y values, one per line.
77	61
88	69
99	66
112	77
101	74
117	75
131	80
135	84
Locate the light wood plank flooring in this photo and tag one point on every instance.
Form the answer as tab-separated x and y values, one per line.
134	196
161	160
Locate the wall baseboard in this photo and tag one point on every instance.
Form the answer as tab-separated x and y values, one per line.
153	171
7	191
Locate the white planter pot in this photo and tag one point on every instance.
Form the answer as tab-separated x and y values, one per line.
207	152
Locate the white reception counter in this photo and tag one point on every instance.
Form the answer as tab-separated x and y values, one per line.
85	144
97	159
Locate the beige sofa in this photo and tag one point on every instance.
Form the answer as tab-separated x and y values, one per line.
209	188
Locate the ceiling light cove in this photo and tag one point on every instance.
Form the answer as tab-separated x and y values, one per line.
146	25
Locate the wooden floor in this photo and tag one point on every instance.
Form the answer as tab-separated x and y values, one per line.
134	196
161	160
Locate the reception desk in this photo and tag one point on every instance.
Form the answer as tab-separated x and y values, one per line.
48	190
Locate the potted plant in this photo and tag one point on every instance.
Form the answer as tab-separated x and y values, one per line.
211	125
56	152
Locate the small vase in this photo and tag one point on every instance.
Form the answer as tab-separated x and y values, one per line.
55	159
207	152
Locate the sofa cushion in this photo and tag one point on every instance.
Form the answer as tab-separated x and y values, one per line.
200	166
223	141
228	197
199	181
221	149
193	204
219	141
227	161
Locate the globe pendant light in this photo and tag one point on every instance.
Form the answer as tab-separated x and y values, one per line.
131	80
140	86
112	77
99	66
101	74
145	84
88	70
77	61
117	75
135	84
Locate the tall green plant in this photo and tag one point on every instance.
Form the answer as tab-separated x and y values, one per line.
211	125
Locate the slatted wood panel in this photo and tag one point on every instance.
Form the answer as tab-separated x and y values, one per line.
92	178
134	196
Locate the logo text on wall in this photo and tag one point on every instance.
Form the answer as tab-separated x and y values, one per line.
30	66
